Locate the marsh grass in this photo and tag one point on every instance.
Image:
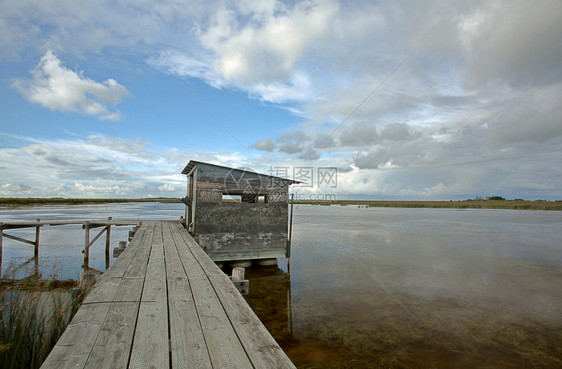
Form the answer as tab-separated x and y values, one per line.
21	201
464	204
33	315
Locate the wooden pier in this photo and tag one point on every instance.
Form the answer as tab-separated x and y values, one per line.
165	304
87	225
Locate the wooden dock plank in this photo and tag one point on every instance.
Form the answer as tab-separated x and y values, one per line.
165	303
223	344
113	344
137	268
189	349
74	346
261	347
133	257
122	263
150	343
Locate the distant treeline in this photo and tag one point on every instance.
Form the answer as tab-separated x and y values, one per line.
66	201
463	204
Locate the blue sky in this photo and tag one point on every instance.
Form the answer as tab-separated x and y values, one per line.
408	100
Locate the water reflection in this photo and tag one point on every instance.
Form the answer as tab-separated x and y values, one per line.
270	296
480	289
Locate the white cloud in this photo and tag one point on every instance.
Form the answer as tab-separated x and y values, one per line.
267	46
265	144
56	87
258	48
97	166
15	190
476	107
167	187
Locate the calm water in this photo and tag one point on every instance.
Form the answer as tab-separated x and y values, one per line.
60	249
380	287
418	288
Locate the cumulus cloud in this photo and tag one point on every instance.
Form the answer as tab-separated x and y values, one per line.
358	134
268	44
265	144
56	87
258	48
98	166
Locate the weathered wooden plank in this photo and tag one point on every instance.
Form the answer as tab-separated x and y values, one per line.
202	258
113	344
188	346
261	347
122	264
150	345
74	346
125	318
137	268
223	345
135	257
93	223
247	254
16	238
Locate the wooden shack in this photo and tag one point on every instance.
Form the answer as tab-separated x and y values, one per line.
236	214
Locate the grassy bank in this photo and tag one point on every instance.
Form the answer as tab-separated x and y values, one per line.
17	201
465	204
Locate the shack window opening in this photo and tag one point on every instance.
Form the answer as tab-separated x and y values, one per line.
262	198
249	198
231	198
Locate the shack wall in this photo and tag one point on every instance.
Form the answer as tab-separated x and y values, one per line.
230	230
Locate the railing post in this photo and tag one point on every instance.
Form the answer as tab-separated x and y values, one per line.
36	251
1	239
86	244
108	236
107	243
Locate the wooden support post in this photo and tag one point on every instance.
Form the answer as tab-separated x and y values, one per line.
240	283
86	244
238	274
36	266
36	244
108	237
107	243
1	239
118	250
87	278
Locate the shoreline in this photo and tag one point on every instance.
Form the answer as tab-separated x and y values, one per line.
460	204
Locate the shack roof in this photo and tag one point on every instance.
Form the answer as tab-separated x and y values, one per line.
193	163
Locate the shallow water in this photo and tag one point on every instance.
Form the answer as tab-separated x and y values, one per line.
60	249
418	288
377	287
